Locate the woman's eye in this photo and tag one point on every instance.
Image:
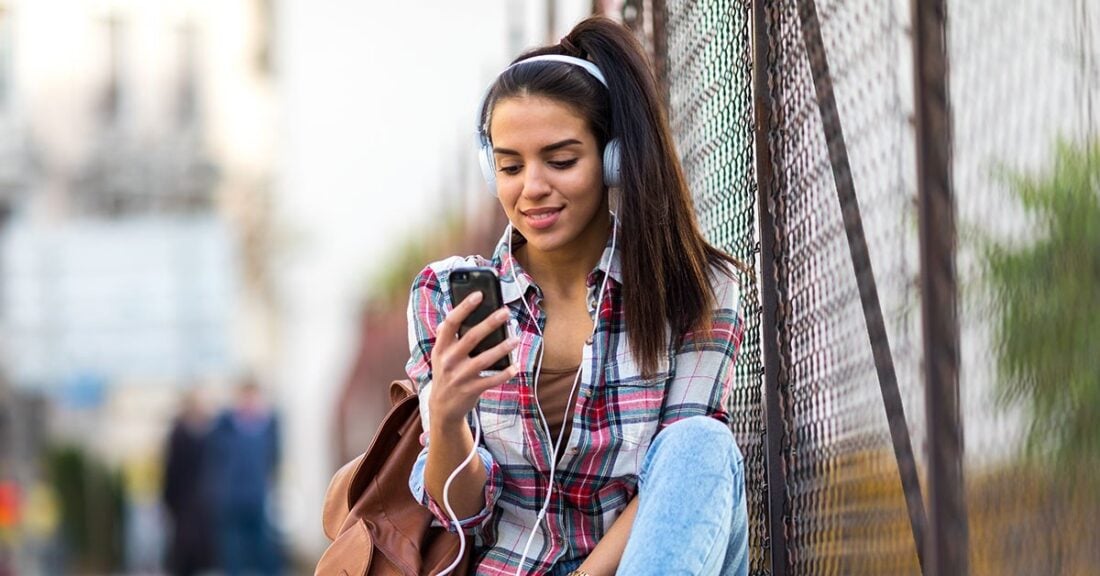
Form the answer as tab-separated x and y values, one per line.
563	164
510	170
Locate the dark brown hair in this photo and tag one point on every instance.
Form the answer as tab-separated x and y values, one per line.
666	261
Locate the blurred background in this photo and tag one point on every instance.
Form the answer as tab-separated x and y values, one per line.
211	212
195	194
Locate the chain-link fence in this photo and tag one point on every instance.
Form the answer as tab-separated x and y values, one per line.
711	113
838	111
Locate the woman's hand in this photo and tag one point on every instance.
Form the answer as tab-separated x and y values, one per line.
608	553
456	380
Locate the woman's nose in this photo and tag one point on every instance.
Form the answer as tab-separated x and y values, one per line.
535	183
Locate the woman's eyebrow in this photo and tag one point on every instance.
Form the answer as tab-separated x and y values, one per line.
547	148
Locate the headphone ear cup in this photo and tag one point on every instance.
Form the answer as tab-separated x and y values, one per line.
488	164
612	163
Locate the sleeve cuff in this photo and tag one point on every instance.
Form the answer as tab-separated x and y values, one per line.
492	491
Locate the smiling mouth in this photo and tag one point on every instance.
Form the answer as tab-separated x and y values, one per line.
541	213
541	218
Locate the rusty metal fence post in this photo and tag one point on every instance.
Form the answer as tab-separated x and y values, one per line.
947	546
765	98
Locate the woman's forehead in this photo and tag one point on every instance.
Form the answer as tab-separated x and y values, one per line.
535	121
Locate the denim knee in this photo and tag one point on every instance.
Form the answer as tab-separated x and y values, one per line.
695	440
701	433
692	516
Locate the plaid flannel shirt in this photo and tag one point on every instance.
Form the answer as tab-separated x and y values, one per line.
617	414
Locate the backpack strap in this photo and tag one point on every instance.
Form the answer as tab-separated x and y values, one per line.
351	479
401	389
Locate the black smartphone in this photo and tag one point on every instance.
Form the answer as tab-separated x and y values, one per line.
466	281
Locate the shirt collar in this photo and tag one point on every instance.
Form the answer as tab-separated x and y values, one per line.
514	280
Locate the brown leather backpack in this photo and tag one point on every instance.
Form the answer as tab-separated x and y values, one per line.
376	526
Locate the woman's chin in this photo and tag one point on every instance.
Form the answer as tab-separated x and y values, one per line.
543	245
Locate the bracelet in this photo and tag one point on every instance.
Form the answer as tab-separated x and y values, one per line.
579	572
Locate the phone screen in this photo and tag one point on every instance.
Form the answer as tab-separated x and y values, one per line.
466	281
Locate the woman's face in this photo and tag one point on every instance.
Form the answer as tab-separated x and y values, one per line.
549	175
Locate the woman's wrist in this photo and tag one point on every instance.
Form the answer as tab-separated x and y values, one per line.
443	417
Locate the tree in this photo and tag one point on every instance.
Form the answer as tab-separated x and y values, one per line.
1047	296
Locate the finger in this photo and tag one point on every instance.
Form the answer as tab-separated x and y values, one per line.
469	369
482	329
489	357
489	382
448	328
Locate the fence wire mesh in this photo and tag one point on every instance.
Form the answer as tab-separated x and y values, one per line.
710	95
848	511
1025	97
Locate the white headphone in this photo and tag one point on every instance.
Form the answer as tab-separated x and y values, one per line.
612	151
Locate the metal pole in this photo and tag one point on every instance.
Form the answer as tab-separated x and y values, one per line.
659	10
865	276
775	379
947	545
551	21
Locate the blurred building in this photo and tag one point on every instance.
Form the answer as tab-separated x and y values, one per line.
136	147
133	175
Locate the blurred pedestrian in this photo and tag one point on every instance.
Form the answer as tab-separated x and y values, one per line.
191	550
244	458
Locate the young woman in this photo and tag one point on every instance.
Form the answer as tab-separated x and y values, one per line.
605	446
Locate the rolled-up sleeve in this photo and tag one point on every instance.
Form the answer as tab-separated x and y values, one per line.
428	306
703	365
492	491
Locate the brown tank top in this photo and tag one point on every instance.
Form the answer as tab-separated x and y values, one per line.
553	389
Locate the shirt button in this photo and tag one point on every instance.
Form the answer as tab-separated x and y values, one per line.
588	341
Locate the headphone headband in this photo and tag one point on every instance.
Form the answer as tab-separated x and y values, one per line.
589	67
612	151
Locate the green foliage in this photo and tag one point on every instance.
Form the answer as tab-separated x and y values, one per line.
1047	294
408	258
91	499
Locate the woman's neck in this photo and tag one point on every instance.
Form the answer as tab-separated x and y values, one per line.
563	271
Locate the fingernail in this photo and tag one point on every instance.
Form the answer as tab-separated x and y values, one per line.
513	370
513	342
501	314
474	298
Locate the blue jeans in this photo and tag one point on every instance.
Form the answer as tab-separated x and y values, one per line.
691	518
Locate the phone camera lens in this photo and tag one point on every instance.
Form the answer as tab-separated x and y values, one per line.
460	276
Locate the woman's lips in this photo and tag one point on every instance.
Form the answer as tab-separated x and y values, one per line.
541	218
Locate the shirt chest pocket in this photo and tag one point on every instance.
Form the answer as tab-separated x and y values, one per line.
633	408
498	410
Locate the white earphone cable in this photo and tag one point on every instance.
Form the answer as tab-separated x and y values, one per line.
556	444
447	500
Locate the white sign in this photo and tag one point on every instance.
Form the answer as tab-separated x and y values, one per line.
148	298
